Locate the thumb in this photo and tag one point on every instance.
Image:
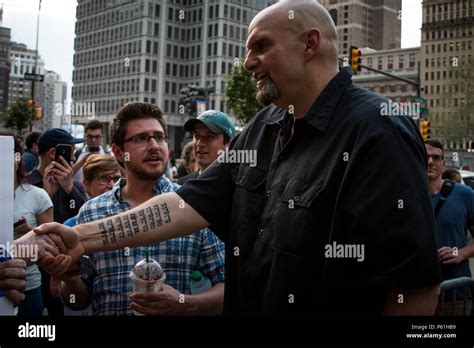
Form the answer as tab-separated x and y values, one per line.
41	229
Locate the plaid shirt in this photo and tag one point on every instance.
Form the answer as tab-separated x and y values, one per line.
178	257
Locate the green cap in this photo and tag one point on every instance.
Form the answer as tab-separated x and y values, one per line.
196	276
216	121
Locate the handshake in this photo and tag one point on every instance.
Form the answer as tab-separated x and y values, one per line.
53	246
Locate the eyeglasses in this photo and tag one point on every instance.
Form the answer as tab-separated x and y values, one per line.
435	158
105	179
143	139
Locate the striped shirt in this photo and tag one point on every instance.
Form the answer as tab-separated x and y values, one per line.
178	257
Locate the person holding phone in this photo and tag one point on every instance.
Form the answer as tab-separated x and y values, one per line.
32	207
55	175
94	134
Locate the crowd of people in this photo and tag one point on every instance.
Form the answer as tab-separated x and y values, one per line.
330	170
92	184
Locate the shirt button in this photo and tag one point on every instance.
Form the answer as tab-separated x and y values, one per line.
267	194
260	232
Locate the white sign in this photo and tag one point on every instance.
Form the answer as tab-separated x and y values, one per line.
6	206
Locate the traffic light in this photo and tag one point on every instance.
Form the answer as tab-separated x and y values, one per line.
193	98
31	104
425	129
355	59
38	113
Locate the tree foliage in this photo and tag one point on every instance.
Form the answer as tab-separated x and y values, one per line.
241	91
18	115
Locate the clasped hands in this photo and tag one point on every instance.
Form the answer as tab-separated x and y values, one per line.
55	247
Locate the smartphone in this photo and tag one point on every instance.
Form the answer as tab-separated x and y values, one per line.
65	151
93	149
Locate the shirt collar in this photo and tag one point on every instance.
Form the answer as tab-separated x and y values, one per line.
162	185
323	107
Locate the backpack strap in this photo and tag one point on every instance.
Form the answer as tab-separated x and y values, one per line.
446	190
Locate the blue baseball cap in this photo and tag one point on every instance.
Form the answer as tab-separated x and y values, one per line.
216	121
54	136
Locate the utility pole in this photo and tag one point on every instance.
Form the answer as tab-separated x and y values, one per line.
35	68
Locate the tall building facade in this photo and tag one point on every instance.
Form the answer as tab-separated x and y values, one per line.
366	23
23	60
5	66
401	62
148	50
54	104
447	41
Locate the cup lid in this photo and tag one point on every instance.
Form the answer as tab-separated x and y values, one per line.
148	270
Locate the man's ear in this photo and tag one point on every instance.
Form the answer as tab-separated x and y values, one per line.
312	41
52	153
118	153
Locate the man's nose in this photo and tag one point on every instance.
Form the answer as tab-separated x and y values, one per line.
250	61
152	142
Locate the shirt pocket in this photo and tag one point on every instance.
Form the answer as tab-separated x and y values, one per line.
248	204
295	217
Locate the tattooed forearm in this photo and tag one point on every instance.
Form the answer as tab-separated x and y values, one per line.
150	217
111	231
130	224
118	222
134	222
143	221
166	213
126	224
103	232
156	209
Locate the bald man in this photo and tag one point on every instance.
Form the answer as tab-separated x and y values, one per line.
334	216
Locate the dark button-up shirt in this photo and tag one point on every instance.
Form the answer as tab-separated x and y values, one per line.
347	177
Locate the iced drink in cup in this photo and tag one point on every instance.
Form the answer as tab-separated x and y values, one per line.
147	276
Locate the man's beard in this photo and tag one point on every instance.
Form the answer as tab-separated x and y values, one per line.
268	93
144	175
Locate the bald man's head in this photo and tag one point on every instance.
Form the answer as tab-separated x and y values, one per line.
298	17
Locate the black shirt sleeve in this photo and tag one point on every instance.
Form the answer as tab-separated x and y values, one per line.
211	194
384	204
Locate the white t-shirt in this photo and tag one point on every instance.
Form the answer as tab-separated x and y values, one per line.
31	201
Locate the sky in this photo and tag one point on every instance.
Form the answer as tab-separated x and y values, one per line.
58	17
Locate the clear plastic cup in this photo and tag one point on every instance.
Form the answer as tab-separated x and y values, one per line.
147	276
